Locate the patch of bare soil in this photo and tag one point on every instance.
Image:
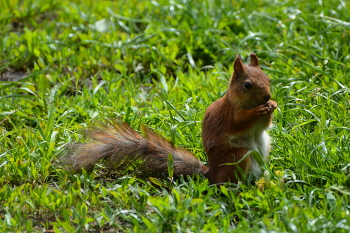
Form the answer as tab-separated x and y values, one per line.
13	76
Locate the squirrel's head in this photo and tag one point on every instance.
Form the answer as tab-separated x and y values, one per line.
249	87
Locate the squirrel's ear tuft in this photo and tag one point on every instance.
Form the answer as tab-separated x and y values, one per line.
254	60
238	65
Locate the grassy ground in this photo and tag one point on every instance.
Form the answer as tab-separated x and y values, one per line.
67	64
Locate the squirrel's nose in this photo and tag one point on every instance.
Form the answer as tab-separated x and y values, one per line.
267	97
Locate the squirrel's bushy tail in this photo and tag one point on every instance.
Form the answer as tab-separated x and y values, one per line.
121	147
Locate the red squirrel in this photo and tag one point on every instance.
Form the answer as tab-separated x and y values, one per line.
232	125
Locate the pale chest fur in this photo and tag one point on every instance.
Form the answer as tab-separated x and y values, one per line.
255	139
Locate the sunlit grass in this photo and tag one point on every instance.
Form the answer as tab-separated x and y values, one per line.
160	64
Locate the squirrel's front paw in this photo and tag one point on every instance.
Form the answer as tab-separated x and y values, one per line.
262	110
266	109
271	105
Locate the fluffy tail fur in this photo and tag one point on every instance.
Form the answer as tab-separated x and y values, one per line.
122	147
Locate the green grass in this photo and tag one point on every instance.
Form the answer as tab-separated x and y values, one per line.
161	63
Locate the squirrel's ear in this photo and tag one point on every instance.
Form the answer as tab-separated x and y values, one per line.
254	60
238	65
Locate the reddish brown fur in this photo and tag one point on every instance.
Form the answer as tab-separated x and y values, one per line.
122	146
241	109
233	114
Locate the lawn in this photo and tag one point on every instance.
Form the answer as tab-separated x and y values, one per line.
67	65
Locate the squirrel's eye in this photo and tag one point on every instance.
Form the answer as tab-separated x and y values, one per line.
248	85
